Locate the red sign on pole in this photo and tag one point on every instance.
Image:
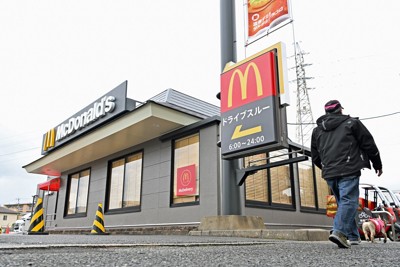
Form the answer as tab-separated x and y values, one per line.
248	82
186	181
265	14
248	104
252	119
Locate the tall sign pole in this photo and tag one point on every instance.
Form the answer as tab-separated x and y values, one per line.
231	198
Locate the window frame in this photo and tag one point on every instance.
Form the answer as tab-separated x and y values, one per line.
317	209
314	185
68	192
269	204
172	183
320	209
129	209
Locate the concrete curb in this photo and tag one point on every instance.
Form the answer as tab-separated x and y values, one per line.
289	234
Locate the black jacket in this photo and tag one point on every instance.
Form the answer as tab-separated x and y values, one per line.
342	145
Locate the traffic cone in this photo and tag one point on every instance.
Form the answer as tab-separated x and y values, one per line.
8	229
37	223
98	223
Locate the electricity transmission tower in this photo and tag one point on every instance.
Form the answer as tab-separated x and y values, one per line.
304	117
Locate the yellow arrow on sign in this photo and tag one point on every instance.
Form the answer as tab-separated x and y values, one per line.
238	133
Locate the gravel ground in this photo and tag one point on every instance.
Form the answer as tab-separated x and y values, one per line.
69	250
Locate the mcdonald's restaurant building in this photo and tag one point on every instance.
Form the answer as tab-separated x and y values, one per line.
130	158
158	164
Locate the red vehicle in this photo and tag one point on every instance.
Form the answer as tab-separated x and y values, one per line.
377	200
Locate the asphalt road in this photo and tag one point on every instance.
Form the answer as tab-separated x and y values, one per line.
132	250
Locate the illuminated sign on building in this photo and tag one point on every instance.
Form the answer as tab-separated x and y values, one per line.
105	108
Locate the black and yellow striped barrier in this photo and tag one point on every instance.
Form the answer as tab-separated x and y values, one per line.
37	223
98	223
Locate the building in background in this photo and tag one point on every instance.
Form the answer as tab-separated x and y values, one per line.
21	208
7	217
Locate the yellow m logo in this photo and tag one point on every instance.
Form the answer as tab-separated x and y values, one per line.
243	78
185	178
49	139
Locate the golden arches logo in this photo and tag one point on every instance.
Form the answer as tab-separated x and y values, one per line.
49	139
243	82
185	177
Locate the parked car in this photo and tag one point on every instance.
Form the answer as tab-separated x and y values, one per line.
22	224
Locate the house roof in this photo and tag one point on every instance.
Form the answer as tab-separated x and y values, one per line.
4	210
17	204
185	103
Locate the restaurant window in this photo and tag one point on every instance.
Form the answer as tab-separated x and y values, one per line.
186	171
4	217
269	187
78	188
125	183
307	184
256	184
313	188
322	188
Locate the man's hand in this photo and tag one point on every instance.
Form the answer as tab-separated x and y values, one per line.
379	172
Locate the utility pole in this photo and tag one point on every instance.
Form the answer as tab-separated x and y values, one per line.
18	199
231	198
304	118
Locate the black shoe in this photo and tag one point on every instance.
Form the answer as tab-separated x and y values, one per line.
355	242
339	239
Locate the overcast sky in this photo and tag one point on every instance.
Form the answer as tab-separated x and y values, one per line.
56	57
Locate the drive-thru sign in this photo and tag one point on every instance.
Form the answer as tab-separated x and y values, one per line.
251	116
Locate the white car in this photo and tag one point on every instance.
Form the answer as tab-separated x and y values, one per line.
22	224
19	226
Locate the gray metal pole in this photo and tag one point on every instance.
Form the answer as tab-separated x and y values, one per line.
227	31
231	202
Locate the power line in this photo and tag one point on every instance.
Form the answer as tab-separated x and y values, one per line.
381	116
363	119
26	133
21	151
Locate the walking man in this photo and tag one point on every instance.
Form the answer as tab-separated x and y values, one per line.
341	146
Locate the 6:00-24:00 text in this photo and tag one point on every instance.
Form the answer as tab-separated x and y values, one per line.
248	142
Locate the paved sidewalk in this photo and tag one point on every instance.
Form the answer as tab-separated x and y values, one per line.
20	241
287	234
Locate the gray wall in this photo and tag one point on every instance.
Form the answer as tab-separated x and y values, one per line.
156	186
290	219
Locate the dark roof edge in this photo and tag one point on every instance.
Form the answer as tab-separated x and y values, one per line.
179	108
189	128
